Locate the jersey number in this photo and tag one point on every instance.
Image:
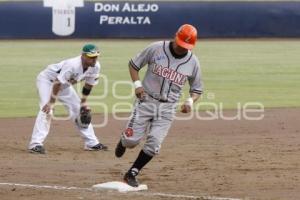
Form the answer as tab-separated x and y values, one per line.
69	22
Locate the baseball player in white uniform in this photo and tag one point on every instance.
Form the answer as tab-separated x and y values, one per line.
170	65
55	82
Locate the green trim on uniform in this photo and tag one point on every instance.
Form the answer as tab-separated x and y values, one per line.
90	50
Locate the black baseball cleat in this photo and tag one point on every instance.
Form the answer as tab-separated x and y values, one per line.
120	150
130	178
97	147
38	149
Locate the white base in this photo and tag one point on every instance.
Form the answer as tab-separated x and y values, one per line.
119	186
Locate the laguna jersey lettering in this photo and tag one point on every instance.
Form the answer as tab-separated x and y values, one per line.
169	74
166	75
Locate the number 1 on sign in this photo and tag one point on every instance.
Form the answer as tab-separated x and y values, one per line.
69	22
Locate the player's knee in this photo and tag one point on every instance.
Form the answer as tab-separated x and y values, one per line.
151	151
129	140
129	143
152	147
74	113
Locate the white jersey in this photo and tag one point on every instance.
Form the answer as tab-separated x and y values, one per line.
70	71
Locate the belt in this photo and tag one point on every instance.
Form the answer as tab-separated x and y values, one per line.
160	100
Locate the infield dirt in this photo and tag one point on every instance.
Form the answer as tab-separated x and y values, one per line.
239	159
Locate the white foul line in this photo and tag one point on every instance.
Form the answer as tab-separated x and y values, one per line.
55	187
190	197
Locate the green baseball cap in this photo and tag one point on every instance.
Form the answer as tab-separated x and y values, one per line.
90	50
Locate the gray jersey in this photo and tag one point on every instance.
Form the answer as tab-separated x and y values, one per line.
166	74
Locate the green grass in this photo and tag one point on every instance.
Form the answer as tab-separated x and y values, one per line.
243	71
234	71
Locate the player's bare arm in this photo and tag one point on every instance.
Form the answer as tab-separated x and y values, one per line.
86	90
139	90
55	89
186	107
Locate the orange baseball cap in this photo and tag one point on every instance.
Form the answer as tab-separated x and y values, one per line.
186	36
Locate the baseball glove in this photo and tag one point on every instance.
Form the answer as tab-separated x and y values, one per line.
85	117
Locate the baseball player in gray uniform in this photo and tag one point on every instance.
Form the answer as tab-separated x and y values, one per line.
55	82
170	65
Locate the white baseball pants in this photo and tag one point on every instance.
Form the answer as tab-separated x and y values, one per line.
71	101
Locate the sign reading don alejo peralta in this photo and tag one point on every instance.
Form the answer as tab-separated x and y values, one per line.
139	19
109	13
113	9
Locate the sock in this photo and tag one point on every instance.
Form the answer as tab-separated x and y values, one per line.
140	162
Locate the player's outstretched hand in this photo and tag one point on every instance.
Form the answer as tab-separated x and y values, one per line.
140	93
186	108
47	108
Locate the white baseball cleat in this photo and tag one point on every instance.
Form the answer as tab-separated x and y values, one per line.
97	147
38	149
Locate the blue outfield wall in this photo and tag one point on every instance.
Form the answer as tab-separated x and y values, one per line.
79	19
